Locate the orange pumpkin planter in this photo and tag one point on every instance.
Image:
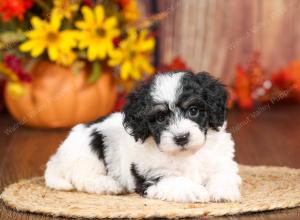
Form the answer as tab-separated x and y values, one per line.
56	97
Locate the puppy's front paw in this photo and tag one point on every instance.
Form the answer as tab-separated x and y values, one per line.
220	192
178	189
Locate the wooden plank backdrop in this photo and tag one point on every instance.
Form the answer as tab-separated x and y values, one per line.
216	35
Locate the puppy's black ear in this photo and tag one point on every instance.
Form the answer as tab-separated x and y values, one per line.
215	96
135	111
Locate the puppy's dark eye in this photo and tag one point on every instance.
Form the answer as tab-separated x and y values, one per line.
193	111
160	118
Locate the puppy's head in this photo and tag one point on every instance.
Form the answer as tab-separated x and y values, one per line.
176	110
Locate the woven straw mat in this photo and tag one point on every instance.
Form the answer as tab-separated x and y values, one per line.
263	188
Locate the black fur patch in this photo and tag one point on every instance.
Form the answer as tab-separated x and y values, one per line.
141	182
138	103
98	145
101	119
212	97
156	128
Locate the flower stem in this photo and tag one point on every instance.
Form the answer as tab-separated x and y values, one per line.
96	72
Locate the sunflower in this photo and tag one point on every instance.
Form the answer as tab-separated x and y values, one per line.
133	55
47	36
97	32
65	8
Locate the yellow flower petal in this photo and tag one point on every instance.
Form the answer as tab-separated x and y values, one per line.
52	53
87	14
126	67
36	22
68	41
11	75
147	67
81	25
146	45
66	59
135	72
91	53
113	62
55	21
35	34
116	57
112	33
65	8
27	46
74	7
15	88
111	22
132	34
99	13
37	51
101	50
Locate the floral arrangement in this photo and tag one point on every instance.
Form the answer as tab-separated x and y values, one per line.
254	85
73	33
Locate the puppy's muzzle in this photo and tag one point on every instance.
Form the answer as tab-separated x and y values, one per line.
182	139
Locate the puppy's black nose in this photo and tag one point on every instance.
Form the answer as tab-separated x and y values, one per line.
182	139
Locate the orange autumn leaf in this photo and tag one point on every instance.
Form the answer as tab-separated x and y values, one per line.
243	89
176	64
288	76
294	69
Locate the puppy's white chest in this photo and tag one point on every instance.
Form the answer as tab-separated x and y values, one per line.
195	170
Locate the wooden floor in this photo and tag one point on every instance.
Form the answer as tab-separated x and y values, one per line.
269	135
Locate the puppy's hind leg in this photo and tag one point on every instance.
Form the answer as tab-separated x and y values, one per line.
58	183
54	180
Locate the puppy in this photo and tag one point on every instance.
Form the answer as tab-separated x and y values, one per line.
169	143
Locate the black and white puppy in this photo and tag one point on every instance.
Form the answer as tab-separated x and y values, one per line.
169	143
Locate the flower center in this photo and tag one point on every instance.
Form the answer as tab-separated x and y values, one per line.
52	36
131	54
100	32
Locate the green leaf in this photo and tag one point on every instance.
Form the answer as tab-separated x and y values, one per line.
95	73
